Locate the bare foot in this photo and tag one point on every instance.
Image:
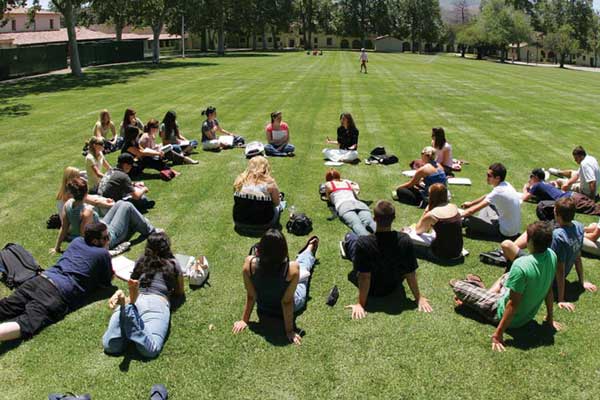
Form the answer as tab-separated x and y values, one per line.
118	298
457	302
134	290
176	173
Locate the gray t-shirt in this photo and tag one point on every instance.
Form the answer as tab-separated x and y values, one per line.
117	186
159	285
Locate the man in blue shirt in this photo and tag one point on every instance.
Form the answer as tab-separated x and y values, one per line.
47	298
546	194
567	241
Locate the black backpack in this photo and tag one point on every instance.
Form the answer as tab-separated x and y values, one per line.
299	225
19	265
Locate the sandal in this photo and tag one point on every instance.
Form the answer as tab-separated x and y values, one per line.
475	280
314	240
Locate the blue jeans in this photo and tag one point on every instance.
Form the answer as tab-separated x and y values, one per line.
306	259
360	221
177	148
123	220
145	323
279	151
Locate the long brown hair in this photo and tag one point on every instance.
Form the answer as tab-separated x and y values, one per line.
350	120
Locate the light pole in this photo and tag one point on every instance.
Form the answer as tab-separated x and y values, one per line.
182	36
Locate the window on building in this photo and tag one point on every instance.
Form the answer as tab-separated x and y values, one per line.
316	40
51	24
329	41
13	25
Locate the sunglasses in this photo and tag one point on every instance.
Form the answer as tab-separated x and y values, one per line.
490	175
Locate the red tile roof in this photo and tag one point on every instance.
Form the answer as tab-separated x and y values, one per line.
60	36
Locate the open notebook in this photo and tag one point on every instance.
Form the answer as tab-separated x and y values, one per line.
123	266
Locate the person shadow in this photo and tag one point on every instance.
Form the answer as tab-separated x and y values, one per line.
393	304
101	293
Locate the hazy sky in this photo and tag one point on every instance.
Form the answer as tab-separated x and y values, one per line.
44	3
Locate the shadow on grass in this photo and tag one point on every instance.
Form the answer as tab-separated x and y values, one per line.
92	78
393	304
102	293
529	336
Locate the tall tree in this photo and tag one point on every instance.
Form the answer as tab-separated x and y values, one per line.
423	21
69	9
563	43
155	13
461	11
119	13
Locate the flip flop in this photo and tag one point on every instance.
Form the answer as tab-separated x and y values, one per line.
476	280
159	392
308	242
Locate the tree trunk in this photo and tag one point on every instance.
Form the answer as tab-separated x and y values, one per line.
119	29
479	53
203	44
562	60
264	38
274	36
519	51
156	29
67	12
253	40
462	51
221	41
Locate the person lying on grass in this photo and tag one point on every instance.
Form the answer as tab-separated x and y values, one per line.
544	192
47	298
143	317
353	212
415	192
499	214
122	220
277	285
567	241
515	298
381	261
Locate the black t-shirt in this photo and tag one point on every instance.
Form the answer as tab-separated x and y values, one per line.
118	185
347	137
388	256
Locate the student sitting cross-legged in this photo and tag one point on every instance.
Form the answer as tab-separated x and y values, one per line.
382	260
47	298
278	137
516	297
277	285
499	211
117	185
143	317
567	241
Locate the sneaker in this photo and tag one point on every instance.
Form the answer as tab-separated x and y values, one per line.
158	230
554	171
343	250
394	195
120	249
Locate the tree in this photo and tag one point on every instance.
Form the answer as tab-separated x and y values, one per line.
120	13
423	21
563	43
356	17
473	35
594	38
461	11
69	9
155	13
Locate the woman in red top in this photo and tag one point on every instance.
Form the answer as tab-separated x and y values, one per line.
278	137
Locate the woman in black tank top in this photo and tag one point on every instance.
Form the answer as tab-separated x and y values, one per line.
277	286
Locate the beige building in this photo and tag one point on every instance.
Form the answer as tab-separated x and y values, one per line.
18	20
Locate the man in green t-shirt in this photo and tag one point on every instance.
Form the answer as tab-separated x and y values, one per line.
517	296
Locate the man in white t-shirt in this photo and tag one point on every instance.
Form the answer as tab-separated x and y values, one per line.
364	59
499	211
585	179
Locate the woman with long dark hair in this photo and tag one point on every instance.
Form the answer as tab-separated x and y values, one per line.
170	134
146	157
443	151
347	140
143	317
277	285
129	119
210	128
278	137
148	141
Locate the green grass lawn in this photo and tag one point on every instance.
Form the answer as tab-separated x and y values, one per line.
524	117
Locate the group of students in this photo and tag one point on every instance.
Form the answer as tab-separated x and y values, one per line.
96	220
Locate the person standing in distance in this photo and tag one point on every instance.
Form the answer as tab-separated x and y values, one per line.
364	59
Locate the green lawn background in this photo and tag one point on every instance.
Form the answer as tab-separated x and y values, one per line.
523	116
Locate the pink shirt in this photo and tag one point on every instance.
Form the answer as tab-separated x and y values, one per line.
279	135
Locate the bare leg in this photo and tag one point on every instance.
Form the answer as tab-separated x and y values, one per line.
9	331
134	290
497	286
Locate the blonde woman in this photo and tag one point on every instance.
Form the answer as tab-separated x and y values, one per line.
94	162
63	194
101	129
416	191
257	180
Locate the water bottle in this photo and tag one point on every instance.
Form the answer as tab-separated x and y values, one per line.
292	211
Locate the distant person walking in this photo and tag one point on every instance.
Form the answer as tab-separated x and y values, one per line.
364	59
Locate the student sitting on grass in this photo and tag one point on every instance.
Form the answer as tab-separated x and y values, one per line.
122	220
101	129
499	211
143	317
148	141
70	173
567	241
170	134
118	185
347	140
129	119
381	261
351	211
585	179
415	192
210	128
516	297
547	194
94	162
278	137
47	298
146	157
445	220
277	285
443	151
